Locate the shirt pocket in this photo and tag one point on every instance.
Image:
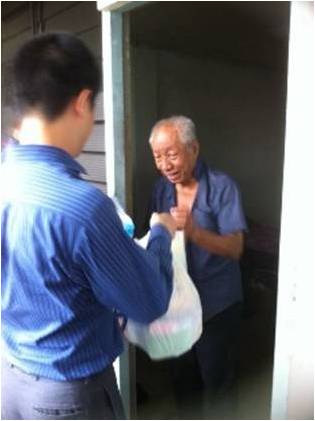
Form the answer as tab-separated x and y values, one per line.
205	219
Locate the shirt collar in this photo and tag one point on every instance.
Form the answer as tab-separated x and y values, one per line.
42	153
199	170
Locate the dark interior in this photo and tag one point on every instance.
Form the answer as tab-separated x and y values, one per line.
241	37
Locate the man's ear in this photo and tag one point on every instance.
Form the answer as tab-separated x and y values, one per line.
82	102
196	148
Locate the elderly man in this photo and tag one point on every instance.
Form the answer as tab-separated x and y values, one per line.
68	267
206	204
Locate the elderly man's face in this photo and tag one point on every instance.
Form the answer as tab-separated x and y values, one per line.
174	159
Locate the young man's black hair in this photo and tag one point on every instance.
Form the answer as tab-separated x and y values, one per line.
49	71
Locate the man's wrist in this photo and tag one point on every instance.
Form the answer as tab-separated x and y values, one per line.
159	229
192	233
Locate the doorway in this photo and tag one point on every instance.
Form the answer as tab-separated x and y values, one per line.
223	64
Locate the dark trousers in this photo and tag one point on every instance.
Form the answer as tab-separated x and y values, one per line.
25	396
205	375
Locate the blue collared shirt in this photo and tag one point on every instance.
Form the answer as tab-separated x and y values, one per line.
218	208
68	268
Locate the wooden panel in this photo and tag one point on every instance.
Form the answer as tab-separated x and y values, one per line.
10	46
52	8
6	83
99	107
18	23
77	19
94	165
96	142
93	40
9	8
7	119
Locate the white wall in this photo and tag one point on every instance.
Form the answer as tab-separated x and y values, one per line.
293	380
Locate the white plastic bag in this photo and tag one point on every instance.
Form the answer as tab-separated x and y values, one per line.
180	327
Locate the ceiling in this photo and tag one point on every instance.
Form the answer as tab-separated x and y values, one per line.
254	32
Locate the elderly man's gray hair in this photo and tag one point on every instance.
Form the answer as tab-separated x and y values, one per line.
185	128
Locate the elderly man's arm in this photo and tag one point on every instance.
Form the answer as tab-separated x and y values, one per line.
229	245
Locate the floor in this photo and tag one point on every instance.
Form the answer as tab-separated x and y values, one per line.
253	389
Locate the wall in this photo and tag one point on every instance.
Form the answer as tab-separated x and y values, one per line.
15	30
80	18
239	113
293	377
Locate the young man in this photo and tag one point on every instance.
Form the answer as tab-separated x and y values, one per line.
68	267
206	204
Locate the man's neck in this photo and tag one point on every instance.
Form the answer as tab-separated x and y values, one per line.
32	131
35	130
187	186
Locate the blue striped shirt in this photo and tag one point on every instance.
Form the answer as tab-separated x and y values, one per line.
68	267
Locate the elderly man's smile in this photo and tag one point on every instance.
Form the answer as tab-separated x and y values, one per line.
174	177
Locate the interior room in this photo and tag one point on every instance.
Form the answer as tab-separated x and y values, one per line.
223	64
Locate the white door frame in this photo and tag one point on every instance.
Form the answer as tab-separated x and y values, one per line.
293	350
293	387
115	59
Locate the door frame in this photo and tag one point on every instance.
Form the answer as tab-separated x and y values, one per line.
117	112
293	307
293	372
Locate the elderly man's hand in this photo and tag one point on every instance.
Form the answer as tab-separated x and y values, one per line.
183	218
165	219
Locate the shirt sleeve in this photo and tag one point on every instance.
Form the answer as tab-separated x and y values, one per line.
152	205
124	276
230	217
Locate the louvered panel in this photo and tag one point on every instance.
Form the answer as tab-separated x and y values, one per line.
52	8
17	24
7	119
10	8
99	107
77	19
93	40
83	19
10	46
96	142
94	165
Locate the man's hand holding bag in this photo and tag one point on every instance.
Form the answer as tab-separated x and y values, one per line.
180	327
